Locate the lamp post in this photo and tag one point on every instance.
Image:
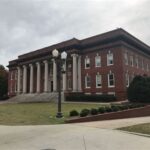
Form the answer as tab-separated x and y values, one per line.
60	59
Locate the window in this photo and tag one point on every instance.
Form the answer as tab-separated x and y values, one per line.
98	80
110	59
97	61
11	88
142	64
87	62
87	81
11	75
126	58
131	60
111	93
147	67
111	81
127	79
136	62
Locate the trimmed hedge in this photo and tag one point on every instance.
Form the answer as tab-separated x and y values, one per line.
94	111
90	98
74	113
84	112
105	109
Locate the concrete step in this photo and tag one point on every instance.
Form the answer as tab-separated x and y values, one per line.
41	97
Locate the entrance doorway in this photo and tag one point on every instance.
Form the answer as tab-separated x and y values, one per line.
51	86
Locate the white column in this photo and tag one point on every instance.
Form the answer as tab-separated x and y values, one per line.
18	80
79	74
64	77
74	72
46	76
54	76
24	79
38	77
31	78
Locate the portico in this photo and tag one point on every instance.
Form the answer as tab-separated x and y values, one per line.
41	76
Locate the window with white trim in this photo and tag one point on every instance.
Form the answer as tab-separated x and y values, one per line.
11	75
87	81
131	60
147	67
87	62
111	80
98	80
126	58
11	88
142	64
98	61
136	62
110	59
127	79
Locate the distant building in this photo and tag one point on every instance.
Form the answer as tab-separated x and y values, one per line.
102	64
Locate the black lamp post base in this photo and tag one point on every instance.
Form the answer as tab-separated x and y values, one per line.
59	115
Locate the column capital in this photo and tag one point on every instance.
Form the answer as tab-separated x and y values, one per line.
45	61
18	68
30	65
37	63
74	55
24	66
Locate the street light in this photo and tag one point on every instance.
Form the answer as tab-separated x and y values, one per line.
60	62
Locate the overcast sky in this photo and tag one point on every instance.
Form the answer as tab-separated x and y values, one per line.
27	25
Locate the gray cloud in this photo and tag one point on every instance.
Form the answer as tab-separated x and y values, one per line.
27	25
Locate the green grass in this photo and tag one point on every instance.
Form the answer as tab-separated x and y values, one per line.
140	128
37	113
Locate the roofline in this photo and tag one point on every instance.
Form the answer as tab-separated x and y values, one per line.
116	34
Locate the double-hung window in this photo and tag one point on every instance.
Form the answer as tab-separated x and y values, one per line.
87	81
87	62
127	79
126	58
131	60
111	80
98	61
98	81
136	62
11	75
110	59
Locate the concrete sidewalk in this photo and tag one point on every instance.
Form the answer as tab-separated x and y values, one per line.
68	137
118	123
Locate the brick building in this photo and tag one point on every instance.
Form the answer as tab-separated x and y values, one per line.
102	64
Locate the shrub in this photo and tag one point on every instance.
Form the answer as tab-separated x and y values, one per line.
80	97
139	90
101	110
115	108
74	113
123	107
84	112
108	109
94	111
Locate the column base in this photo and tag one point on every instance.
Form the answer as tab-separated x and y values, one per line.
59	115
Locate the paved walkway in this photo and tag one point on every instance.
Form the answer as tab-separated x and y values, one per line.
70	137
118	123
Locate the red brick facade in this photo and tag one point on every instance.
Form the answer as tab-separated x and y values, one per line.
117	42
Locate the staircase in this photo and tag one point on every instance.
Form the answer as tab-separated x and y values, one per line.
42	97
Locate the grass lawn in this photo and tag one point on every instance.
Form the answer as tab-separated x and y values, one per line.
37	113
140	128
